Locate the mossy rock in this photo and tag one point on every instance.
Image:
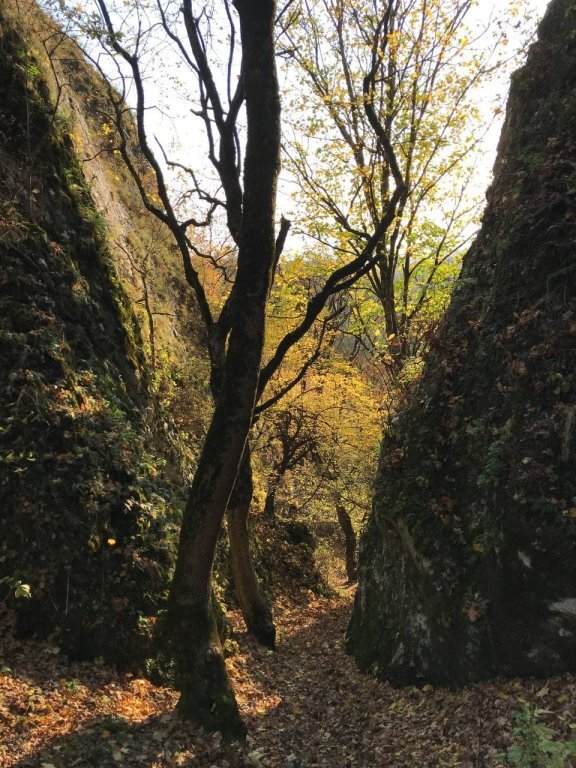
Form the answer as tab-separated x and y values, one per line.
468	562
88	515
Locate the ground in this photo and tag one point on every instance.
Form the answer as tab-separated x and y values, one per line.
305	705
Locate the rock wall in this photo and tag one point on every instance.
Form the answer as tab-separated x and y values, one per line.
468	562
88	512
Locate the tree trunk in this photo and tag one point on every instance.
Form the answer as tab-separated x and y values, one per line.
349	543
206	693
256	610
270	505
274	482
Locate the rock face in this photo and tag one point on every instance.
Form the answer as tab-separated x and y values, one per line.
468	563
85	513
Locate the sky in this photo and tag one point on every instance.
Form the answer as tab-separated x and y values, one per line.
176	130
529	12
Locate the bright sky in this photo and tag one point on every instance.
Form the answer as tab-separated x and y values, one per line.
175	127
529	12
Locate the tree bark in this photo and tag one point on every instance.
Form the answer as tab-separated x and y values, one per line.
256	610
206	693
270	505
349	543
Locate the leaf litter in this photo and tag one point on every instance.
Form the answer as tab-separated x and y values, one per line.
306	706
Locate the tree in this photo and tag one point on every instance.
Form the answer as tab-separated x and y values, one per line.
350	543
247	116
254	604
421	102
235	339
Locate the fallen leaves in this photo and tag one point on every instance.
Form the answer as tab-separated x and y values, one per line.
306	706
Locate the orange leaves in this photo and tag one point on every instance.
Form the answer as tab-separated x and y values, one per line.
307	704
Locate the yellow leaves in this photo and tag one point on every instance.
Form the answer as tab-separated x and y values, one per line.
154	198
22	590
365	171
394	40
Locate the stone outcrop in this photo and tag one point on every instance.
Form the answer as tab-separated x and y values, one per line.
468	563
88	512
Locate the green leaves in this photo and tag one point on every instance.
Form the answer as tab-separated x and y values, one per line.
536	744
423	102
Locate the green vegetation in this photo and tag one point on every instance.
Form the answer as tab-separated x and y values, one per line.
535	744
16	587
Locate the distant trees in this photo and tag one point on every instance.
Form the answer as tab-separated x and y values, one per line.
317	447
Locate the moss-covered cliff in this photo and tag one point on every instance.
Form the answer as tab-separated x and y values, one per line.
87	510
468	563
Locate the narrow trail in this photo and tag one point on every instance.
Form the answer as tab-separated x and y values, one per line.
306	706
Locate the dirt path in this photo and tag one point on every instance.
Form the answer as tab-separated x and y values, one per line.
305	706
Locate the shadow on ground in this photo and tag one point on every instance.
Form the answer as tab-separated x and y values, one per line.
306	706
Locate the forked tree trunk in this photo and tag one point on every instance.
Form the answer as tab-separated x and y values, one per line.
349	544
206	693
255	608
